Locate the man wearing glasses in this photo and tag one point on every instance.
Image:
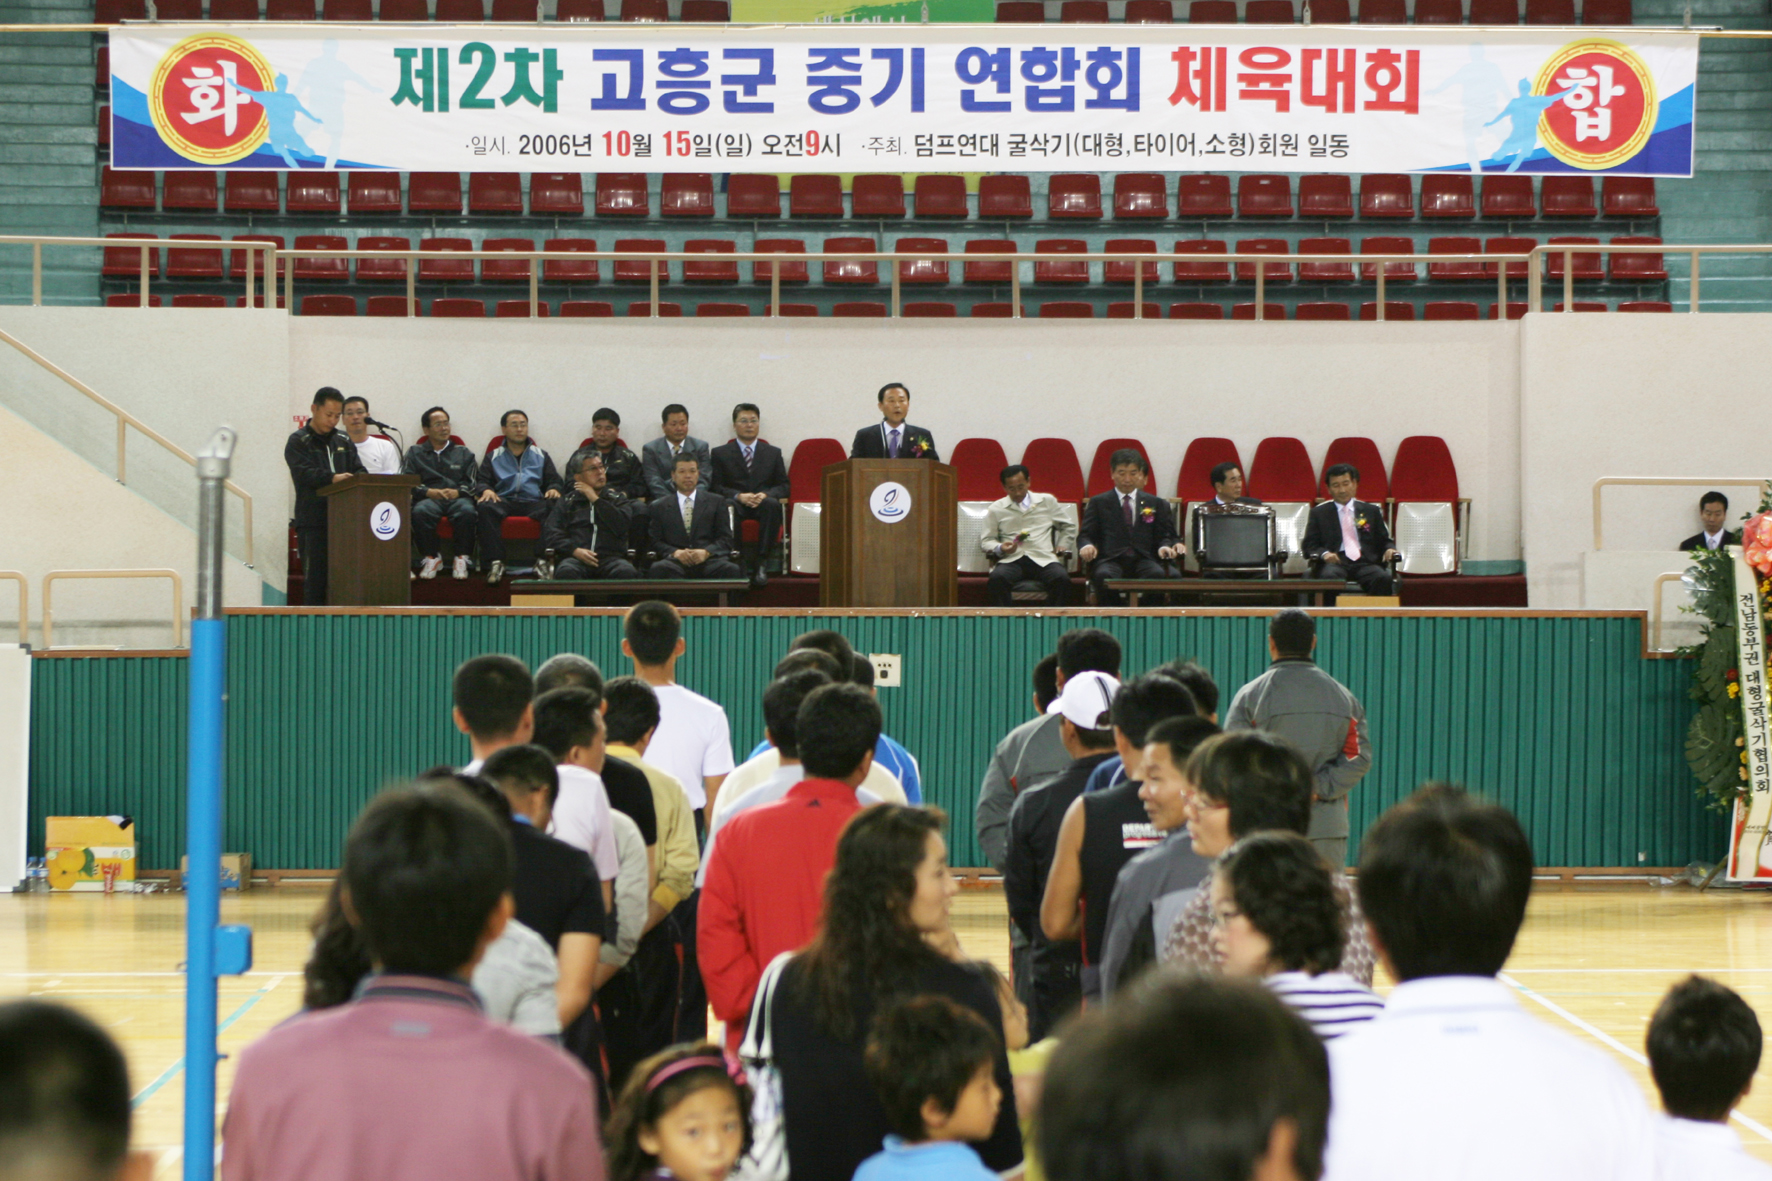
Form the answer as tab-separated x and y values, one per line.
588	533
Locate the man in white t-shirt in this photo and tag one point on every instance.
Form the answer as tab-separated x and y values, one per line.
569	726
1704	1046
379	456
494	706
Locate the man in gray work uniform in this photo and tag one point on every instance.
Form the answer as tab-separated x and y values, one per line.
1297	701
1030	755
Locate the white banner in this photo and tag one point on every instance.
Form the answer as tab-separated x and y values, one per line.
896	98
1748	851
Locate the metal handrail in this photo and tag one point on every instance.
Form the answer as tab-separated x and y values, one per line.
24	604
178	597
125	420
1604	482
1661	580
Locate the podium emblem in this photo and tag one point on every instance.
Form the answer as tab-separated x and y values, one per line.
384	521
891	502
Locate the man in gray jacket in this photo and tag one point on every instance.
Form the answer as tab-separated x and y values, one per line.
1297	701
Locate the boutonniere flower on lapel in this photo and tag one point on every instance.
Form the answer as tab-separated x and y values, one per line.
919	446
1363	523
1147	514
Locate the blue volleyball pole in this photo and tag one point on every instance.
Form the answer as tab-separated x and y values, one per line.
211	950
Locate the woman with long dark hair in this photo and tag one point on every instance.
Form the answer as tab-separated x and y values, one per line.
886	898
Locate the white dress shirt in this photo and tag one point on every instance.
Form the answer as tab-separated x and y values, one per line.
766	764
1715	540
1454	1080
1694	1150
581	818
693	741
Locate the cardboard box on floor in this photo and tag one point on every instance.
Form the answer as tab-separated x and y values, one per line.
236	871
89	852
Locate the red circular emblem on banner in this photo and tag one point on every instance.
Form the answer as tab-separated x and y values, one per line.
1608	108
196	99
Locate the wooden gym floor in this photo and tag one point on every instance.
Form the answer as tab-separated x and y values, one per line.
1593	959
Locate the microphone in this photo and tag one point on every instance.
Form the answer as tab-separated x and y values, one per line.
378	422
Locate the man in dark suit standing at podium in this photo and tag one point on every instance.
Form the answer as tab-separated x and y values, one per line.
892	438
691	532
318	454
1347	538
751	475
1127	532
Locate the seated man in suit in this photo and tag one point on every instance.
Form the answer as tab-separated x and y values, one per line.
1026	531
691	532
1347	538
516	480
1713	512
658	458
751	474
589	531
892	438
1127	533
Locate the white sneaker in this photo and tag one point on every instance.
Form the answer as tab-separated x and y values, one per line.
461	566
428	568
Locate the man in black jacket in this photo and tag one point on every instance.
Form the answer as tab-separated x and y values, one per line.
1713	514
589	531
691	530
318	454
446	472
892	437
1347	538
1127	532
752	476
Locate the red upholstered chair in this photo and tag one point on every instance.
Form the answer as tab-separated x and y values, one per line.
434	192
495	192
1281	470
1569	196
1325	198
1447	194
577	10
1451	309
1061	272
1205	195
1550	12
645	10
1394	309
706	12
686	194
313	192
386	305
556	194
513	270
1606	12
722	309
1272	272
643	310
851	272
373	192
714	270
791	272
1325	272
1004	196
793	309
924	271
988	272
1439	12
940	196
1269	311
437	269
640	270
806	468
1269	12
1586	264
1020	12
1150	12
1067	310
470	309
1454	272
125	262
1196	311
928	309
234	10
1394	272
1263	195
569	270
1202	272
515	10
125	190
251	192
1630	267
995	310
382	270
1141	195
188	262
814	194
1322	310
132	301
1053	468
188	191
1083	12
347	10
328	305
1125	310
1331	12
1073	195
977	463
312	270
1386	194
1515	270
1509	197
200	301
1362	453
518	309
586	308
1125	272
237	258
877	195
404	10
1212	12
1494	12
1423	471
753	195
1101	469
623	194
1194	482
1645	305
1628	196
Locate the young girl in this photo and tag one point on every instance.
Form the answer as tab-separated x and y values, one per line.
681	1115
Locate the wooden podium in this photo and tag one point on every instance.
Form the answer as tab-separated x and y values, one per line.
888	531
369	541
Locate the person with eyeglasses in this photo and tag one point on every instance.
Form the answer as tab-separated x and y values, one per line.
588	533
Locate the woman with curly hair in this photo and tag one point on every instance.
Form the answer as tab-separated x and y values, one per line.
885	914
1278	920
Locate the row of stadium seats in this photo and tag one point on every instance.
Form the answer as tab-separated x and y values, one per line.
1328	12
200	262
395	305
1069	196
110	12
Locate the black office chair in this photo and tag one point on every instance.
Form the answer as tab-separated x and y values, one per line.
1237	539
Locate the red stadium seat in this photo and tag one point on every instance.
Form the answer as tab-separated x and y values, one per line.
686	194
200	301
1454	272
1325	198
714	270
1083	12
442	270
791	272
940	196
706	12
347	10
1205	195
125	190
1202	272
1321	310
1509	197
1126	272
1587	266
1375	486
237	258
104	129
577	11
1550	12
569	270
1269	311
722	309
1150	12
1004	196
1515	310
1196	311
1269	12
1053	469
101	69
1061	272
586	308
1447	194
989	272
995	310
1073	195
928	309
233	10
623	194
1386	194
1020	12
645	10
517	309
1645	305
1394	309
665	310
1124	310
188	191
1515	270
556	194
847	271
1281	470
115	12
977	463
1194	482
328	305
1450	309
922	272
125	262
251	192
806	468
1394	272
1101	470
434	192
373	192
815	194
1331	12
640	270
1630	267
877	195
382	270
501	270
403	10
515	10
1494	12
1272	272
1264	196
792	309
1439	12
495	192
1628	196
132	301
1569	196
289	10
1141	195
468	309
753	195
1212	12
386	305
1423	470
1325	272
312	270
313	192
1067	310
1606	12
860	310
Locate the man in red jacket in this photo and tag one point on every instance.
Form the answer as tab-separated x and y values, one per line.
765	878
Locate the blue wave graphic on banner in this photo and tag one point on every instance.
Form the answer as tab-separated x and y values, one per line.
135	143
1667	152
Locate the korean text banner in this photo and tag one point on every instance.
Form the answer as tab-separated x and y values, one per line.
895	98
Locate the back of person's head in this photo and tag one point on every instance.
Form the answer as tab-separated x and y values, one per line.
781	708
1181	737
654	1089
565	670
837	727
1293	632
337	959
1046	681
925	1049
861	670
1283	887
1199	682
1144	701
633	710
424	869
802	659
565	718
521	771
1444	880
478	786
652	630
834	644
64	1096
1262	779
492	691
1704	1047
1088	649
1186	1079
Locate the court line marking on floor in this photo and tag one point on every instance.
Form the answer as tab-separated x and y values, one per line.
172	1071
1588	1027
73	975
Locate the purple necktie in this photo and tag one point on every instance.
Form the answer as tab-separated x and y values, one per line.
892	445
